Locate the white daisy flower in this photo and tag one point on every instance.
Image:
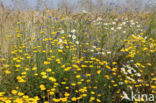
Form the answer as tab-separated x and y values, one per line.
138	74
119	28
84	11
103	53
112	28
124	32
92	50
132	23
60	40
130	78
73	31
120	83
77	42
69	35
123	69
94	47
62	31
99	19
113	23
109	52
138	26
105	24
129	71
123	23
73	37
61	47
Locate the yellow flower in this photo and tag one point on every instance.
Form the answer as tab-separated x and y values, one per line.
25	97
78	76
50	51
13	91
99	72
18	65
107	77
42	87
92	98
99	95
114	69
88	75
34	68
28	57
9	36
2	93
98	100
63	82
64	99
36	98
153	87
108	67
26	69
154	79
53	89
7	72
115	85
92	58
18	100
23	73
95	87
153	91
67	68
53	32
60	50
41	32
92	92
18	61
67	47
52	79
67	94
35	74
20	94
43	73
51	93
46	62
48	69
91	66
114	63
63	66
73	84
20	79
73	99
149	64
44	76
67	87
84	95
88	81
126	81
18	22
56	100
75	66
138	64
79	83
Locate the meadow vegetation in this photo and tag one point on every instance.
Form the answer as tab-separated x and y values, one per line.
62	56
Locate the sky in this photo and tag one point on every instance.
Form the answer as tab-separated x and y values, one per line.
52	4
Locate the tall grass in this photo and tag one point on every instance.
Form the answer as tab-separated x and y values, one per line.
66	56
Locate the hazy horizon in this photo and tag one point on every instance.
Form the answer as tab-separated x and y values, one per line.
53	4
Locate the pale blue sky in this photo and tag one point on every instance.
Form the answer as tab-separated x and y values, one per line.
54	3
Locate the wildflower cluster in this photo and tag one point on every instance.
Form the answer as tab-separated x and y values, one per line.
94	61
